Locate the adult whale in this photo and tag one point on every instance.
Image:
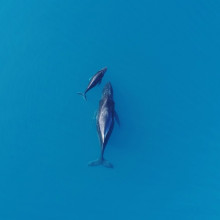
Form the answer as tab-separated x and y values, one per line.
105	123
94	80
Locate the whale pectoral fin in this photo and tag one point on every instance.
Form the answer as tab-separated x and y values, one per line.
117	118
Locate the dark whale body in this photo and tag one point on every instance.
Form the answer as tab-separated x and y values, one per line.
105	123
96	79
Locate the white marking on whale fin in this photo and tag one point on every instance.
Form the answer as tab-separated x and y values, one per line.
106	128
104	123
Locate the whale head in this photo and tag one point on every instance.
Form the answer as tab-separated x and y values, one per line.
107	90
102	71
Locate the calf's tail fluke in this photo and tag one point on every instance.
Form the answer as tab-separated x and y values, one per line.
82	94
101	161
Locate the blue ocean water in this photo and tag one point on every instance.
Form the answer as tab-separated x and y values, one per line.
163	63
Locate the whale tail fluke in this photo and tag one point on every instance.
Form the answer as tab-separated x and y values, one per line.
99	162
82	94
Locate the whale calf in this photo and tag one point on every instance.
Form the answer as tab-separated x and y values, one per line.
96	79
105	118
